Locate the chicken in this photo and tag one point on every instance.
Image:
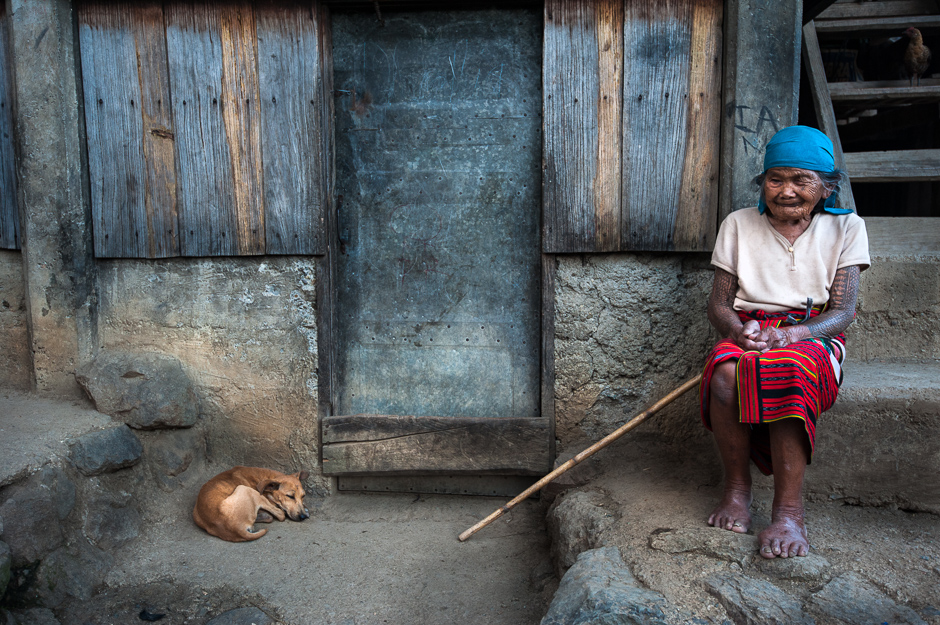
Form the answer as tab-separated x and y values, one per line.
917	55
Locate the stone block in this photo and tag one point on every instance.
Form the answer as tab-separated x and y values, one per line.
111	521
852	600
74	571
31	524
6	563
242	616
170	454
708	541
756	602
599	588
105	451
34	616
145	390
575	523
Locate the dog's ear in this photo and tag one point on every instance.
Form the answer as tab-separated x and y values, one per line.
303	475
265	486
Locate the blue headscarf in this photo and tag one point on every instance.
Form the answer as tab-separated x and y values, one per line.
801	147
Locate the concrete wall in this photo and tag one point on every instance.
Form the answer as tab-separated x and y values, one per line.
628	329
15	362
245	331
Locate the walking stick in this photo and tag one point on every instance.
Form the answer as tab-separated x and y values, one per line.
590	451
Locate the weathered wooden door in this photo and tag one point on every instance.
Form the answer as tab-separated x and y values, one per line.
438	272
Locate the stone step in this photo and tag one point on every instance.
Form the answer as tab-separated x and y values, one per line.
880	443
899	297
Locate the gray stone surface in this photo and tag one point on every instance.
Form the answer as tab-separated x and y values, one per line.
72	571
31	523
145	390
810	568
755	602
34	616
709	541
61	487
599	588
15	359
578	475
169	454
105	450
888	415
6	561
852	600
111	520
576	523
242	616
32	431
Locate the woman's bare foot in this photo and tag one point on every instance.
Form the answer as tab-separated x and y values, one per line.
785	537
733	511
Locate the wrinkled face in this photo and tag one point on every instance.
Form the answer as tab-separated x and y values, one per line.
792	193
288	495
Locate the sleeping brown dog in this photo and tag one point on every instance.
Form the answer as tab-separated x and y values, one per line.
229	504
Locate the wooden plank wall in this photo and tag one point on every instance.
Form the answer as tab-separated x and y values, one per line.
9	213
204	127
652	70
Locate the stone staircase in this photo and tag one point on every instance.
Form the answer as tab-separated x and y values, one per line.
880	444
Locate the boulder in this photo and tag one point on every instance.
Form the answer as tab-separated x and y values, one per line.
145	390
575	523
111	520
170	454
6	563
73	571
31	526
34	616
105	451
755	602
599	588
850	599
242	616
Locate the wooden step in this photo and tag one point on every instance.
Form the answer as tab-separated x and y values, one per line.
871	10
864	95
876	25
894	166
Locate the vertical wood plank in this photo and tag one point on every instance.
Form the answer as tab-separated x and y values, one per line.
582	74
241	113
114	131
9	212
157	132
696	221
657	46
205	195
292	104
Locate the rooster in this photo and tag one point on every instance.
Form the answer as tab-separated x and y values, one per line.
917	55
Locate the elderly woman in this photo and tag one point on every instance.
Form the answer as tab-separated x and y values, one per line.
785	287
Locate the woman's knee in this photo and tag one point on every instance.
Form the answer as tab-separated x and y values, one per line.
724	384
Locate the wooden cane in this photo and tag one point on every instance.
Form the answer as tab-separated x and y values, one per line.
590	451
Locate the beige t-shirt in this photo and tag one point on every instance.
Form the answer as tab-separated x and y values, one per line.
774	275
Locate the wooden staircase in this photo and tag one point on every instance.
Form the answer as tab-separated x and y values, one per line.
871	104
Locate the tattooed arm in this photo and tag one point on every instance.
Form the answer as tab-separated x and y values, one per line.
843	296
723	317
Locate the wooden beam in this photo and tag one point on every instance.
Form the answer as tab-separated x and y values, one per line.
871	10
874	26
822	102
903	235
812	8
408	445
859	93
894	166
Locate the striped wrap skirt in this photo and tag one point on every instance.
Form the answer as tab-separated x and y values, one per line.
798	381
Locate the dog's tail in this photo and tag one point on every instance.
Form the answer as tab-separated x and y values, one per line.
247	535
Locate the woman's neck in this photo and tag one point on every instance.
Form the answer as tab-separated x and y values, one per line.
790	229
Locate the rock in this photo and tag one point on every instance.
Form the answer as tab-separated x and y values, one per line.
105	451
72	571
599	588
31	523
809	568
575	523
170	455
111	521
851	599
709	541
578	475
34	616
62	488
755	602
242	616
6	562
146	390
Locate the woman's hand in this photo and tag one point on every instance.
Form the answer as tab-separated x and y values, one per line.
781	337
749	337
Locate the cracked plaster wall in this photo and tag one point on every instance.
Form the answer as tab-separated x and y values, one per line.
245	330
628	329
15	361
